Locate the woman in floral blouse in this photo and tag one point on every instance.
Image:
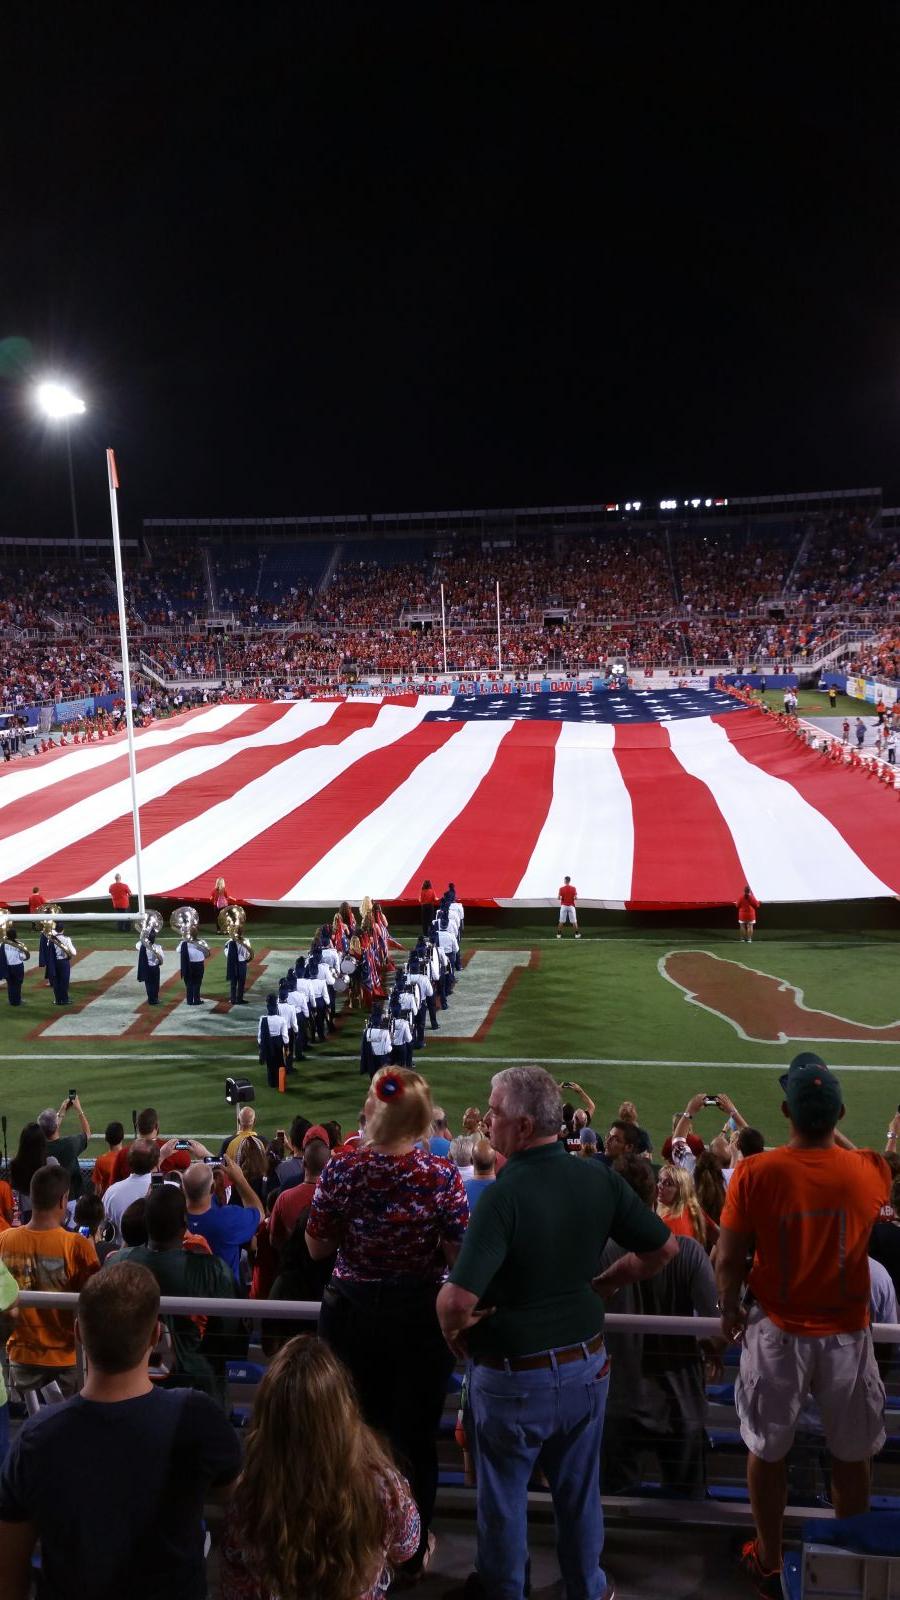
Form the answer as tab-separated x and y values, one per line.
396	1215
319	1508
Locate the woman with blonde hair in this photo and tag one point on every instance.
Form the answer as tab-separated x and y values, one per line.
396	1215
220	897
319	1508
677	1204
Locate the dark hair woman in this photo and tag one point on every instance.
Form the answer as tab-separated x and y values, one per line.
319	1508
31	1154
427	903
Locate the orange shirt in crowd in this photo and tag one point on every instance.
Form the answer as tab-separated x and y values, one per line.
104	1167
747	907
810	1213
46	1258
568	894
7	1205
682	1224
120	895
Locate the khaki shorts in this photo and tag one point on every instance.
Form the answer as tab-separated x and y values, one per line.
779	1370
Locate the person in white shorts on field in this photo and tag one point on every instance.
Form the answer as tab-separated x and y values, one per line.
567	895
805	1212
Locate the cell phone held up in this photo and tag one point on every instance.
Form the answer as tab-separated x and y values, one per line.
72	1096
710	1100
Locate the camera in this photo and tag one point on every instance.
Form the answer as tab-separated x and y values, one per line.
157	1179
213	1161
182	1144
73	1094
710	1100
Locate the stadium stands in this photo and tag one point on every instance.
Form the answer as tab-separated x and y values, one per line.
742	592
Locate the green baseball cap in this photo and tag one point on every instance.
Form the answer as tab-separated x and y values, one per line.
813	1094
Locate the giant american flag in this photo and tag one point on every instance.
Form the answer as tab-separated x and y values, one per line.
646	799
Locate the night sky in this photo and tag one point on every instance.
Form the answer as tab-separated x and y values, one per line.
333	258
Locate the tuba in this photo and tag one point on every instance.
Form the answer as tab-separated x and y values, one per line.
151	922
232	921
185	922
8	934
48	921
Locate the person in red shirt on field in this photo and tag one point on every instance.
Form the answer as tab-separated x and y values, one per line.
747	907
36	899
567	895
120	895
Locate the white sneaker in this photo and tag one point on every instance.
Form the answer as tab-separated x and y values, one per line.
578	935
559	936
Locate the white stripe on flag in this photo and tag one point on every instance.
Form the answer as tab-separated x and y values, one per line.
788	850
213	835
388	845
28	780
589	829
87	816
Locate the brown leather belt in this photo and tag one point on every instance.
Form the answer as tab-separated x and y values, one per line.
546	1358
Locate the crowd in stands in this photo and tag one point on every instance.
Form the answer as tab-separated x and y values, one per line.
683	597
401	1229
879	658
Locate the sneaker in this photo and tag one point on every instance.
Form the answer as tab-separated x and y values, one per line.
767	1584
578	935
559	936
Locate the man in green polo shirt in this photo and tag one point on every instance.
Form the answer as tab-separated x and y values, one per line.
523	1302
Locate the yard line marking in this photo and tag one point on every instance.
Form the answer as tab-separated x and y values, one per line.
126	1057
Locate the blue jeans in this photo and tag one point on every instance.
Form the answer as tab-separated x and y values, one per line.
4	1431
555	1413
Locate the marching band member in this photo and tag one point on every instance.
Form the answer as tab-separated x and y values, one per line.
306	987
286	1010
150	960
62	950
272	1038
425	988
13	957
343	927
326	971
401	1032
318	992
329	955
300	1002
446	938
193	953
376	1044
237	960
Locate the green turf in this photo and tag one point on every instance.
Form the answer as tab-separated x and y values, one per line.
812	704
596	1011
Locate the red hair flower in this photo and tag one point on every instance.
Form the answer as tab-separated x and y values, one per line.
390	1086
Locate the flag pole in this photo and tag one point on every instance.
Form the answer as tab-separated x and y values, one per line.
444	627
499	656
126	671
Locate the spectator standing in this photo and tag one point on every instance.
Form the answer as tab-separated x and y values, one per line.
120	895
657	1393
567	894
198	1350
298	1198
157	1455
805	1212
290	1170
747	907
246	1122
9	1291
309	1456
66	1151
31	1154
102	1175
484	1164
143	1159
42	1254
677	1204
441	1135
396	1215
531	1257
147	1127
226	1229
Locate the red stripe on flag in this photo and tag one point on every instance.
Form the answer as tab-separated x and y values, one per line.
56	797
864	812
683	850
68	870
279	857
493	839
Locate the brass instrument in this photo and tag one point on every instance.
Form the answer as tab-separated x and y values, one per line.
48	921
8	935
232	921
185	922
151	922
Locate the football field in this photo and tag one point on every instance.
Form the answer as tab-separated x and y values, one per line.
651	1015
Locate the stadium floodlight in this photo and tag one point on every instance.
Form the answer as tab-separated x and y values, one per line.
58	402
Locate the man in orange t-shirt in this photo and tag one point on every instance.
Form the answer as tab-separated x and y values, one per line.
120	895
806	1213
45	1255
